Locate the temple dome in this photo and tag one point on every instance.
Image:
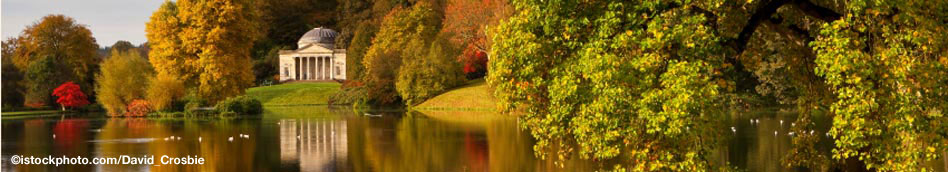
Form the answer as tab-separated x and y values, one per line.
321	36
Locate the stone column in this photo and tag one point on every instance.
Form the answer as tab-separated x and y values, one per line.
323	68
332	68
306	71
328	67
299	68
318	71
312	70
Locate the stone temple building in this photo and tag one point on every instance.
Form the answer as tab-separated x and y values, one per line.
316	59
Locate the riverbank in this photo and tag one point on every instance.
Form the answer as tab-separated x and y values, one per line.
295	93
33	113
476	95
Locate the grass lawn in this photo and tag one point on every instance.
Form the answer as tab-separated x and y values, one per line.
297	93
474	96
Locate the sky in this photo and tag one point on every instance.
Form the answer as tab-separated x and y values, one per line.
109	20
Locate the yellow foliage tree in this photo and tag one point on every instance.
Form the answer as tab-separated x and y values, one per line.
122	78
206	44
163	91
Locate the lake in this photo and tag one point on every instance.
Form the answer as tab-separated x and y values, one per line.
321	138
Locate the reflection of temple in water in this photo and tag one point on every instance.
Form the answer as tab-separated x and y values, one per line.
317	145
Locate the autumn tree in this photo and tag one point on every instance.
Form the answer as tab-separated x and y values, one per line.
122	78
121	46
206	44
468	21
70	96
163	92
66	50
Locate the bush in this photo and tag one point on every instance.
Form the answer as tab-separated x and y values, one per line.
193	102
138	107
163	92
240	105
95	107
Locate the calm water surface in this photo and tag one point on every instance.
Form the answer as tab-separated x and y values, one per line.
319	138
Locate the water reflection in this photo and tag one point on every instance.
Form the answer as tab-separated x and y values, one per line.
319	138
315	144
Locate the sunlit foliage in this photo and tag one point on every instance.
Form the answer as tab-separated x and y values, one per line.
645	81
886	63
121	79
66	50
206	44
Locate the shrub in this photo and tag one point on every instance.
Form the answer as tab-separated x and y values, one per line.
138	107
95	107
163	92
193	102
240	105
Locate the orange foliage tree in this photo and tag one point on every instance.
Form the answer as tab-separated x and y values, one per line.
468	21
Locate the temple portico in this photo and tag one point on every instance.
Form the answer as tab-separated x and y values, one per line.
315	59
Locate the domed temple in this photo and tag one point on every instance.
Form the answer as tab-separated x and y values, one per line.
316	59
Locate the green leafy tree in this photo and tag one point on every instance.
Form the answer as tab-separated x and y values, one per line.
644	80
361	42
391	48
886	63
427	72
42	76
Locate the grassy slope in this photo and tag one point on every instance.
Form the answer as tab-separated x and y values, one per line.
475	96
300	93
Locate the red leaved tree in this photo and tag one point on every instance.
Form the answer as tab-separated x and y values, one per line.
468	21
70	96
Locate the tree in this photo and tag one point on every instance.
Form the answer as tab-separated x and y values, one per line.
122	46
70	96
12	76
427	72
122	79
206	44
69	48
385	57
361	42
886	62
41	77
162	93
647	79
285	21
468	21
